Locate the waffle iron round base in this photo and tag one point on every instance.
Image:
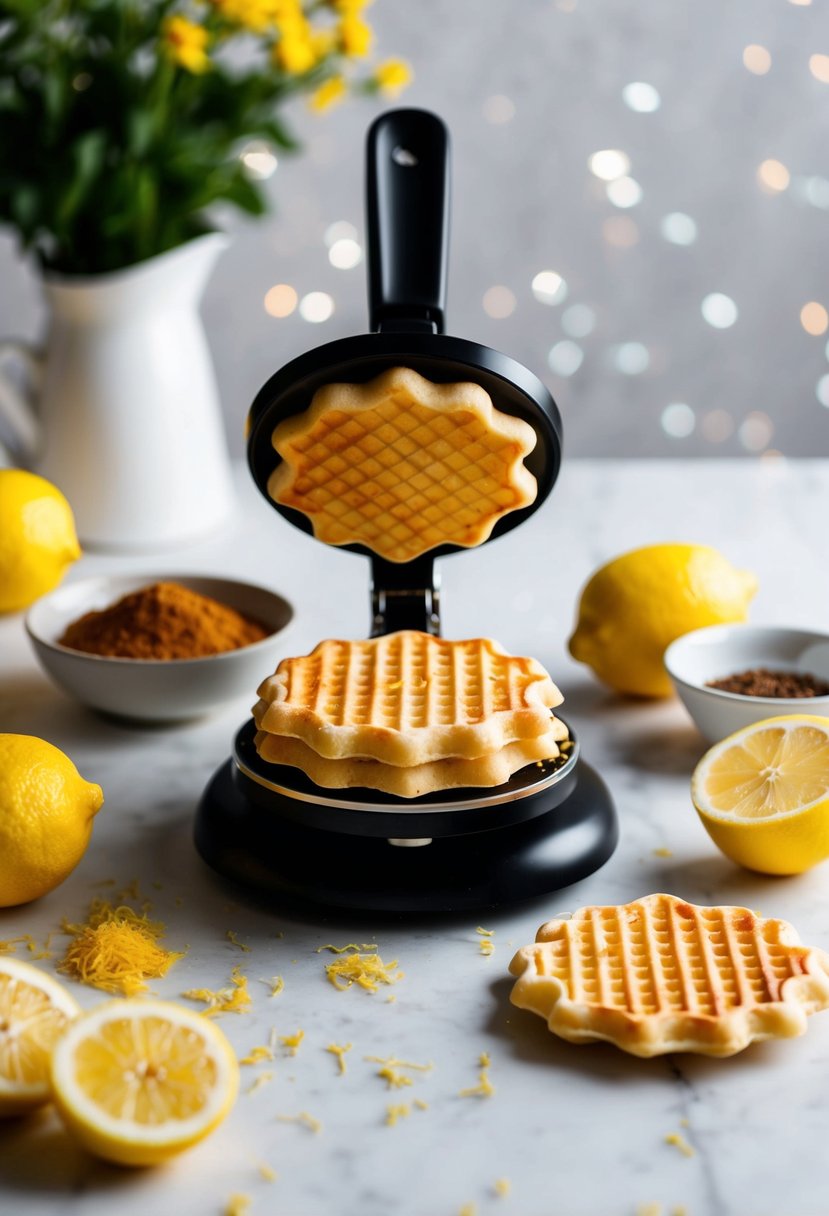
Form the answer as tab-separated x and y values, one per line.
278	840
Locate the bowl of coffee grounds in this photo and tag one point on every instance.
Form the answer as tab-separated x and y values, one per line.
162	648
729	676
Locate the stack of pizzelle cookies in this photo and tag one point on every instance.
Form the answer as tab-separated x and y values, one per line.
408	714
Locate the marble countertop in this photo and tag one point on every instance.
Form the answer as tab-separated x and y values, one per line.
575	1131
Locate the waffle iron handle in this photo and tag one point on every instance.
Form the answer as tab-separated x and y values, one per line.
407	210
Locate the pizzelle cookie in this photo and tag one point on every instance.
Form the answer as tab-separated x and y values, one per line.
659	975
413	781
408	698
402	465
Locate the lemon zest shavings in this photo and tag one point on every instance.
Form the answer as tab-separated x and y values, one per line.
339	1050
267	1172
305	1119
420	1104
365	970
679	1141
363	949
502	1187
649	1209
233	999
276	984
662	852
292	1041
484	932
9	946
390	1070
262	1079
237	1205
257	1054
484	1088
396	1112
233	938
116	949
468	1209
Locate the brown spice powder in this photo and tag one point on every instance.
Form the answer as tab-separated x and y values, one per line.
761	682
163	621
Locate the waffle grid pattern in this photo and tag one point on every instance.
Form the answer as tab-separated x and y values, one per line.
402	465
408	698
660	974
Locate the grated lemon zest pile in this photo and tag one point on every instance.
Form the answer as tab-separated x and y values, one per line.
233	938
678	1141
235	999
257	1054
237	1205
339	1051
344	949
276	984
261	1080
394	1113
502	1187
365	970
116	949
304	1118
292	1041
267	1172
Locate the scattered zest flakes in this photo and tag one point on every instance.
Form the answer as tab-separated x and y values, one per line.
257	1054
366	946
681	1143
237	1205
116	949
339	1051
487	945
304	1118
267	1172
234	940
10	945
649	1209
235	999
468	1209
365	970
663	852
390	1073
502	1187
292	1041
276	984
420	1104
262	1079
484	932
394	1113
484	1088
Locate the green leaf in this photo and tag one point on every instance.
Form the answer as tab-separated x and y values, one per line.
88	159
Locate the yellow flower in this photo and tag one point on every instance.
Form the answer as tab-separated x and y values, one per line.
295	53
185	43
392	76
328	94
351	7
255	15
355	36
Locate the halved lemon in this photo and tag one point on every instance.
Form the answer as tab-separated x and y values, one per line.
34	1011
763	794
138	1081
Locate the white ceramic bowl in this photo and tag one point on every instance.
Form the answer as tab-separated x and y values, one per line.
723	650
157	690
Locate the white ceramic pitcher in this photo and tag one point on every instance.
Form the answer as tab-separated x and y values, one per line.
126	418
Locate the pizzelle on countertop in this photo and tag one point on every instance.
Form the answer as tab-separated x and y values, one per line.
659	975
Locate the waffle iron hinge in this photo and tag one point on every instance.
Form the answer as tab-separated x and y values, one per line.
404	595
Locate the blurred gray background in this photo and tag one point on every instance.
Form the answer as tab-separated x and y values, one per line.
673	297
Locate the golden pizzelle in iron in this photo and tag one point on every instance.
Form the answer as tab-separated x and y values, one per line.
402	465
408	714
407	698
659	975
416	779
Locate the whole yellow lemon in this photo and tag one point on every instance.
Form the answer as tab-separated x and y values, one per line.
46	813
635	606
37	538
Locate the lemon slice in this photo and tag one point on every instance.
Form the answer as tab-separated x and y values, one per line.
137	1081
34	1011
763	794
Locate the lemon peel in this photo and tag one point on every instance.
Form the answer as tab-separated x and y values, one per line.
116	949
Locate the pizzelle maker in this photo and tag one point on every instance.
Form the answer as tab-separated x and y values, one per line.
269	826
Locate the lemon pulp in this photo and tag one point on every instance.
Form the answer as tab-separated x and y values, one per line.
763	794
34	1012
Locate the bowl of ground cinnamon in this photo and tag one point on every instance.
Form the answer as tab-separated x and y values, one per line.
729	676
161	648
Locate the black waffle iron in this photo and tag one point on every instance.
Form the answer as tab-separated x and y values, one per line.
268	826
